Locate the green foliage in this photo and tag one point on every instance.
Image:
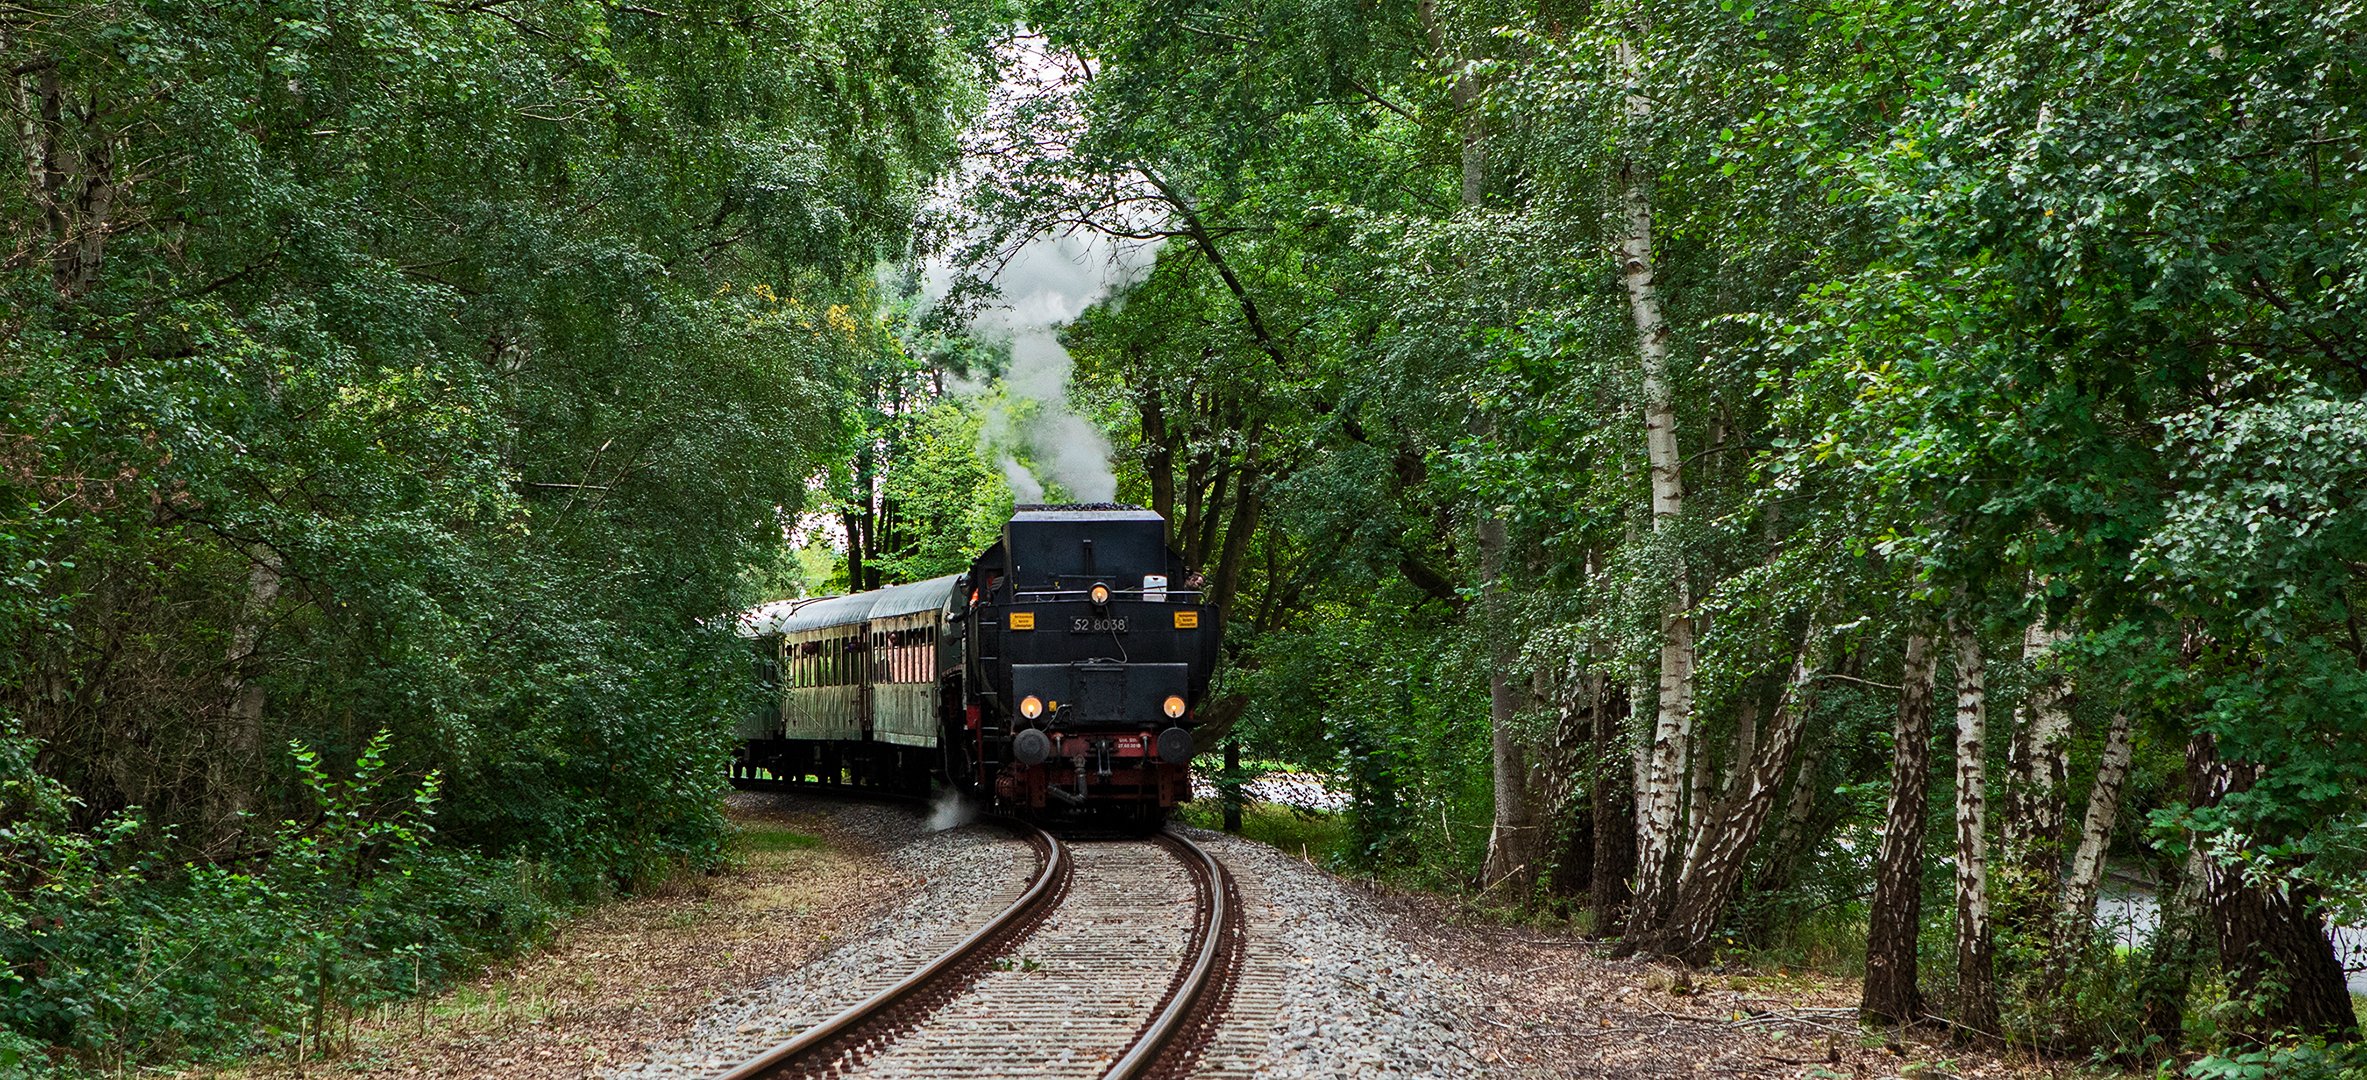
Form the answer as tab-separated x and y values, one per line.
2045	312
415	382
1319	836
116	954
443	371
1364	696
2310	1059
949	504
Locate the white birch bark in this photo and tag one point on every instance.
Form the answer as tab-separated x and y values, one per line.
1727	832
2039	768
1660	800
2095	833
1976	1004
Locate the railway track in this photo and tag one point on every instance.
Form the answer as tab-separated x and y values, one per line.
1112	964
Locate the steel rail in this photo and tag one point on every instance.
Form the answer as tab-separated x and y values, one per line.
1171	1020
784	1056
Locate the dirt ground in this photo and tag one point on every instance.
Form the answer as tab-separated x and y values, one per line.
635	972
639	971
1555	1006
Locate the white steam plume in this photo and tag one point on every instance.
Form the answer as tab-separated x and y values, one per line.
949	810
1046	285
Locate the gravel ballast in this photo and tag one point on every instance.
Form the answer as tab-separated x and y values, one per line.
1329	990
1342	980
967	874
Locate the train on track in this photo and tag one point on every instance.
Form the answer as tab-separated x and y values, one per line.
1061	676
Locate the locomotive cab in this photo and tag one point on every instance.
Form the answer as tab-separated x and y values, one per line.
1063	674
1090	653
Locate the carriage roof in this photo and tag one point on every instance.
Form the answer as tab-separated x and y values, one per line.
821	612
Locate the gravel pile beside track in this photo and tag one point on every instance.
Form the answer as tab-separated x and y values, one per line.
969	873
1328	990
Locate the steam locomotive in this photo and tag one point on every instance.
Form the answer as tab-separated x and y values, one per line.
1060	676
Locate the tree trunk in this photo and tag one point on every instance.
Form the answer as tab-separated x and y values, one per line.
1895	919
70	173
2272	941
2095	837
2168	977
1700	794
1799	810
2036	769
1513	835
1158	463
242	752
1239	529
1563	782
1231	788
1660	799
1740	818
1614	810
1976	992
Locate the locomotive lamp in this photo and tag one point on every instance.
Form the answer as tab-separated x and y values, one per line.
993	680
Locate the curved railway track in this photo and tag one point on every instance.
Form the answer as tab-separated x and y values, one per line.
1110	965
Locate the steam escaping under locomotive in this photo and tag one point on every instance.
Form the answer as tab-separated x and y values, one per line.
1061	676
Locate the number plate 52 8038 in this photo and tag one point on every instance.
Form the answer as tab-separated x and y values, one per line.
1083	625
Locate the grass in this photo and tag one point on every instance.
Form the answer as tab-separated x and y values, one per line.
766	838
1829	942
613	973
1316	835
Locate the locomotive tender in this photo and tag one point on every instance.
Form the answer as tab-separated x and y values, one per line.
1061	675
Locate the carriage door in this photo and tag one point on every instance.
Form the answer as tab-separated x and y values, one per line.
863	653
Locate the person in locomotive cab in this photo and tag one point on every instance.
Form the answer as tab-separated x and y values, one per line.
1088	662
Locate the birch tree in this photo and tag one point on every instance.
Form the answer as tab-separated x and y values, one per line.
1660	798
1894	916
2077	915
1976	992
2036	769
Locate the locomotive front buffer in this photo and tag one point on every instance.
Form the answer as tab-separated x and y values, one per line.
1106	729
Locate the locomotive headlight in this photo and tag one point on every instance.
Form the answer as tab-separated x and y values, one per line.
1100	594
1031	706
1174	707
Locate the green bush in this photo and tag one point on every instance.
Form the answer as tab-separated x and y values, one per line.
2311	1059
114	956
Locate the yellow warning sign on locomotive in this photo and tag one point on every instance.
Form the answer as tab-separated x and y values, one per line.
1023	620
1187	620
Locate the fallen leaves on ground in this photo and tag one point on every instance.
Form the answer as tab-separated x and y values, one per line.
635	972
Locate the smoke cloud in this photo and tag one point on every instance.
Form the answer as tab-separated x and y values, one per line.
1045	286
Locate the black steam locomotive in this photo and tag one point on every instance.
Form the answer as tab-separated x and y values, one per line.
1061	675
